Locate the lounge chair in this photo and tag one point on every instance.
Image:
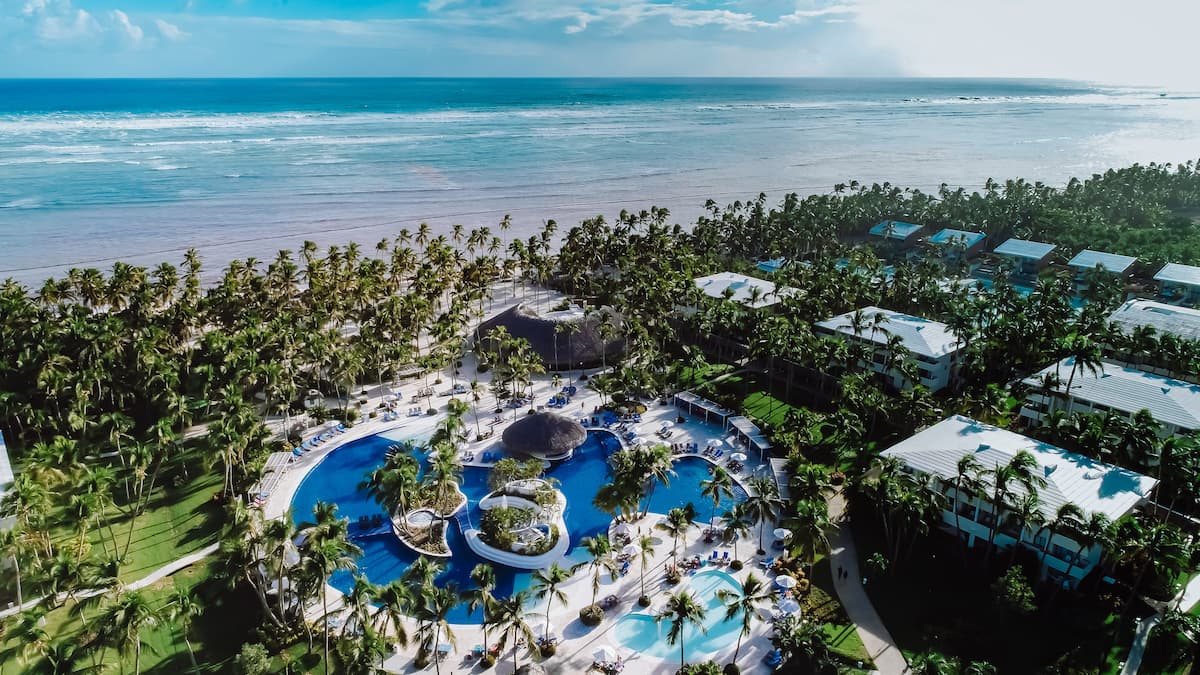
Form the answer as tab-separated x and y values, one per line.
773	659
725	558
767	563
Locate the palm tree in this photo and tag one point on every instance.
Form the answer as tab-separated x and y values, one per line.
735	524
720	485
743	603
120	624
763	505
1068	516
645	544
326	550
182	610
395	603
432	611
808	526
546	585
681	609
1021	469
676	525
966	484
509	616
600	551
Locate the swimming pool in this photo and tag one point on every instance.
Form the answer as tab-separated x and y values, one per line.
384	558
642	633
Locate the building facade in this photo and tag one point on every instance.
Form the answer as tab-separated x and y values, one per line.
931	344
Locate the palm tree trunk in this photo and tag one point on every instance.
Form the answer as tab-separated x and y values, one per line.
325	618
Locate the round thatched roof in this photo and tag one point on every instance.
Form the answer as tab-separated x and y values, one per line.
531	669
576	348
544	434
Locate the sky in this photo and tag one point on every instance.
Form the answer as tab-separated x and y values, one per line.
1145	42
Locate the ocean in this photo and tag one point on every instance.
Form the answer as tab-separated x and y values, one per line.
92	171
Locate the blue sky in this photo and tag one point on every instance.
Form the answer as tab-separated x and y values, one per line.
1106	40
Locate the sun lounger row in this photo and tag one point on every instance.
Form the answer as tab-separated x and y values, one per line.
319	439
490	456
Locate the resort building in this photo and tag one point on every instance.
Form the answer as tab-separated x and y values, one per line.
954	246
771	266
1179	284
931	344
6	481
1025	258
1091	485
749	291
564	339
1112	387
1088	260
1154	319
896	231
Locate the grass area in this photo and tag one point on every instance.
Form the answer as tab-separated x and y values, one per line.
222	626
745	391
822	605
177	521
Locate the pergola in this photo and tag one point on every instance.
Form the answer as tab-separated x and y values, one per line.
749	432
700	406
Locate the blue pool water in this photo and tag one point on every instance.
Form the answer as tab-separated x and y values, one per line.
384	559
641	633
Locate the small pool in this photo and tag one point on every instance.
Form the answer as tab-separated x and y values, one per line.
384	558
642	633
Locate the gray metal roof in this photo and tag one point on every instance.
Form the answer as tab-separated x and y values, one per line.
1023	248
1092	486
1129	390
1183	322
1088	259
921	336
949	237
1179	274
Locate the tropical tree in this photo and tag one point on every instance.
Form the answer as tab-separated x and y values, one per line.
763	504
509	616
676	525
546	585
719	486
742	604
601	561
120	625
681	609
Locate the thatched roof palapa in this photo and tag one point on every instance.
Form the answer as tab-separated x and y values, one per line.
543	435
579	348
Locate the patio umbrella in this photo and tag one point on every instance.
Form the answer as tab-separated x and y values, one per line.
623	528
630	549
738	457
444	647
789	606
667	424
540	628
782	533
715	442
606	653
733	441
785	582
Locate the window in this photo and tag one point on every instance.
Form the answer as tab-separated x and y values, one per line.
1062	553
924	374
987	518
966	510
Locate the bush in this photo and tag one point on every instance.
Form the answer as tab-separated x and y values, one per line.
547	650
496	525
431	411
510	469
674	577
373	414
483	367
591	615
488	660
706	668
351	416
252	660
1013	593
736	565
644	601
732	669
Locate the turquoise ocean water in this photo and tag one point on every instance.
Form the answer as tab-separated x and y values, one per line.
92	171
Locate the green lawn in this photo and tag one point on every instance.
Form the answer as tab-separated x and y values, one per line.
822	605
746	391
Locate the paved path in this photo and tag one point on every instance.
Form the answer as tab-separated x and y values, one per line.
1186	599
157	575
843	555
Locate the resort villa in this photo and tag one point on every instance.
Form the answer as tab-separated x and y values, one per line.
896	233
1179	284
6	481
954	246
1092	486
1155	320
1173	403
748	291
931	344
1088	260
1025	258
771	266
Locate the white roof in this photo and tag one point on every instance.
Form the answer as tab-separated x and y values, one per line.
1183	322
714	286
1022	248
921	336
1179	274
1092	486
1088	259
1129	390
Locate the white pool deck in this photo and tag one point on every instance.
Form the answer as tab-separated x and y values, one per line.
578	642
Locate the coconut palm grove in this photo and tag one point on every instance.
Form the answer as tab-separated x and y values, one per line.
875	429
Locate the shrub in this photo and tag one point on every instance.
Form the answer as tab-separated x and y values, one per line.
483	367
1013	593
488	660
438	381
547	650
495	527
351	416
673	576
591	615
509	469
644	601
431	411
373	414
706	668
736	565
732	669
252	660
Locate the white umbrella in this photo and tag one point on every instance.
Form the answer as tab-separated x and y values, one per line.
607	653
715	442
630	549
789	606
733	441
784	581
539	628
782	533
667	424
738	457
623	528
637	440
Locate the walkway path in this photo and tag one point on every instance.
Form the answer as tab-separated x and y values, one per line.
1185	600
157	575
843	555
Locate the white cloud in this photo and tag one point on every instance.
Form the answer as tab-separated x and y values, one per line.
130	30
803	15
170	31
60	22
